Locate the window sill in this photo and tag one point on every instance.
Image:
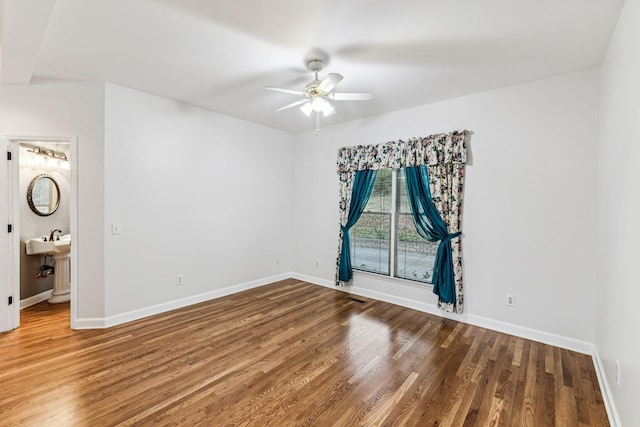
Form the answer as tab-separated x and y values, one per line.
385	278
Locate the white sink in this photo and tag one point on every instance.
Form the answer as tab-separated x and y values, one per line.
43	246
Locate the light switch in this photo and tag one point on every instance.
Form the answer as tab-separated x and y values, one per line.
115	228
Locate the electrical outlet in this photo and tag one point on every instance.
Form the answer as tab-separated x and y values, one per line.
317	263
511	300
179	281
618	373
277	261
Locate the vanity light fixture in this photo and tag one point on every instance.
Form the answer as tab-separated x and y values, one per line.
51	158
52	162
38	161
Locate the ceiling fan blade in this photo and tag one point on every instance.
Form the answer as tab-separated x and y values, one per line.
279	89
329	82
351	96
293	104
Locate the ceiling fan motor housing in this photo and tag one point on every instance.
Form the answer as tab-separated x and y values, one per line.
312	88
315	65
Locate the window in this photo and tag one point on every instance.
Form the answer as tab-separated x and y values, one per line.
384	240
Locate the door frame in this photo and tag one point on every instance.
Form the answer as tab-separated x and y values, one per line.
14	216
11	317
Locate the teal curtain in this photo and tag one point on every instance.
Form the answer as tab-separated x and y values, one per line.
431	226
362	188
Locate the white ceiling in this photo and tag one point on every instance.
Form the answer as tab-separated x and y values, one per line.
220	54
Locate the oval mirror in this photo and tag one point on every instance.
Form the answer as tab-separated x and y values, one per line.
43	195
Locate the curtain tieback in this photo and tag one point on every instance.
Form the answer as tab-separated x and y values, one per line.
451	236
343	228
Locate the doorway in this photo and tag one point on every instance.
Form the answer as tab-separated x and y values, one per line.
42	202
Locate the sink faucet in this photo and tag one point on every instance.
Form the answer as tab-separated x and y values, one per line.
52	233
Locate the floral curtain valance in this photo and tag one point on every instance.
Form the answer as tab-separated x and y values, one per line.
435	149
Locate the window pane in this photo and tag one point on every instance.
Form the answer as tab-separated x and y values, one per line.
403	200
371	236
371	243
414	255
380	200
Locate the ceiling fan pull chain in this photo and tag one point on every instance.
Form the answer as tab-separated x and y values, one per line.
317	123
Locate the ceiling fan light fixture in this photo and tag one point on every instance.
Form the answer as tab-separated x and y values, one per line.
318	94
318	103
307	108
327	109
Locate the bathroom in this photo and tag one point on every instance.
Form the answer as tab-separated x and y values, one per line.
45	209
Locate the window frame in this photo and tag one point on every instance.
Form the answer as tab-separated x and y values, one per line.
393	250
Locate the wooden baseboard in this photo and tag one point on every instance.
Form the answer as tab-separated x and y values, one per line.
33	300
609	403
118	319
579	346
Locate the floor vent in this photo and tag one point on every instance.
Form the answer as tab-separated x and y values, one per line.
355	299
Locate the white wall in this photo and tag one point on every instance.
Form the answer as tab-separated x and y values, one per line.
68	110
617	315
196	193
529	210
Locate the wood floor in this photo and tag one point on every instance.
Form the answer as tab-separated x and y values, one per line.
288	354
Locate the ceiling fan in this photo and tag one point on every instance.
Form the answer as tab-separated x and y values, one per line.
318	93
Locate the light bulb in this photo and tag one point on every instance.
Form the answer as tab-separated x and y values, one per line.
327	109
318	104
306	108
52	162
37	161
